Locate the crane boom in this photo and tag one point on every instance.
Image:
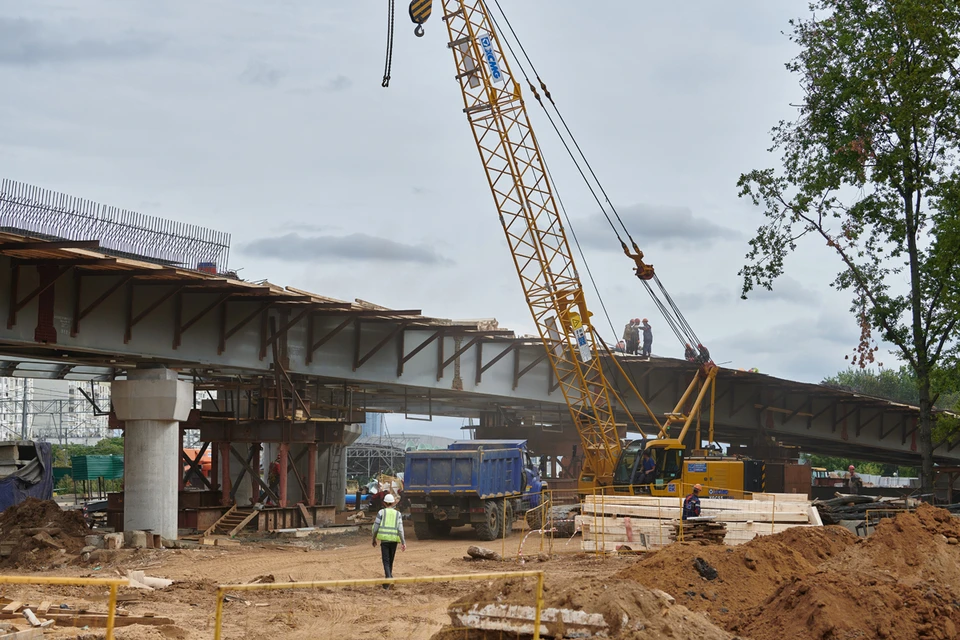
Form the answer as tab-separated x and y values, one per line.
531	222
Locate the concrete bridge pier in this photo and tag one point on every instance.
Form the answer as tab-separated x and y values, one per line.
152	403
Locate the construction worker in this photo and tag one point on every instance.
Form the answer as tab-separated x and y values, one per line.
691	504
388	529
377	497
273	477
631	337
647	339
704	356
852	480
648	469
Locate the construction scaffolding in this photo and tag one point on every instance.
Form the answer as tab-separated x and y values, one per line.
369	457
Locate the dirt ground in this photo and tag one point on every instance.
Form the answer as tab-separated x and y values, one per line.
903	581
407	611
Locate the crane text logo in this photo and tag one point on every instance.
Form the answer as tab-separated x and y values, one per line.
486	43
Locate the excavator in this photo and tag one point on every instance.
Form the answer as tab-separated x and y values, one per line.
494	105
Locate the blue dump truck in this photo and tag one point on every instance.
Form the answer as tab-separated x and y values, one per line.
487	484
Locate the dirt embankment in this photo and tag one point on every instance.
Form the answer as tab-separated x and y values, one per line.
40	535
811	582
747	574
903	581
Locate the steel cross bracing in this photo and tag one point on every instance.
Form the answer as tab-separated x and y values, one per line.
532	225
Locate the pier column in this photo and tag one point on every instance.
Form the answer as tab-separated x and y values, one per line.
152	403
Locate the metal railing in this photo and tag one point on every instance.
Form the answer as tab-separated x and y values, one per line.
47	214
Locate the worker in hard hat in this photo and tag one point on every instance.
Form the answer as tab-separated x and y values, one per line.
853	481
691	504
631	336
704	356
388	529
647	339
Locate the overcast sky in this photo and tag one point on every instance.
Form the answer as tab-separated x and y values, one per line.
266	119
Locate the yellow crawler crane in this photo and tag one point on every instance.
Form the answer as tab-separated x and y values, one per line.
494	106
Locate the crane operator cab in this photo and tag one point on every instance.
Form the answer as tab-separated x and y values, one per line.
650	467
666	472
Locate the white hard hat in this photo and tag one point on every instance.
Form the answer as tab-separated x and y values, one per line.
389	499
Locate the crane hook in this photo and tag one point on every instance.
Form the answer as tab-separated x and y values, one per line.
420	11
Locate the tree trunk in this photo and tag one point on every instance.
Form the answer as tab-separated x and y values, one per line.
911	209
925	429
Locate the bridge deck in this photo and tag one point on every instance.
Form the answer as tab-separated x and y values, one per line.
72	311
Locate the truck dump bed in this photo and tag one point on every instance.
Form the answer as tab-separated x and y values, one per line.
487	473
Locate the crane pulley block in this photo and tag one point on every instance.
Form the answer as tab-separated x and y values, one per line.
420	11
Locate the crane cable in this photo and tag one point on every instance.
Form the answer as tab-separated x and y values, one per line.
388	63
668	308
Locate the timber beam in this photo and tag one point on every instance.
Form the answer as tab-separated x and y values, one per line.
312	432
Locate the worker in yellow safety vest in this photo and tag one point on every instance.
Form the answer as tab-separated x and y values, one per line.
388	529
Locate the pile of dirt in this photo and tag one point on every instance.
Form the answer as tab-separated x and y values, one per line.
830	605
632	613
746	574
914	548
811	582
903	581
38	534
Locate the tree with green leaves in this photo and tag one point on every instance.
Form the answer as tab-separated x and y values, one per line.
870	168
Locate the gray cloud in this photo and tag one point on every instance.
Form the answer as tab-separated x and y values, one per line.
340	83
827	330
334	85
712	297
787	289
261	73
668	224
29	42
295	225
361	247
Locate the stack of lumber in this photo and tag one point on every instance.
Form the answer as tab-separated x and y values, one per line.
609	523
854	507
702	531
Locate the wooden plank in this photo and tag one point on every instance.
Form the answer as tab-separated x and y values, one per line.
705	503
97	620
815	516
213	527
223	542
307	520
13	607
720	516
23	635
598	531
237	529
780	497
44	607
665	511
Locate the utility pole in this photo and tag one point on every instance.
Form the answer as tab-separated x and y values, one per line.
23	412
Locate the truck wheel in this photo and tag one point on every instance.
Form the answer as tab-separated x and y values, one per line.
489	529
422	530
535	519
438	529
511	518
